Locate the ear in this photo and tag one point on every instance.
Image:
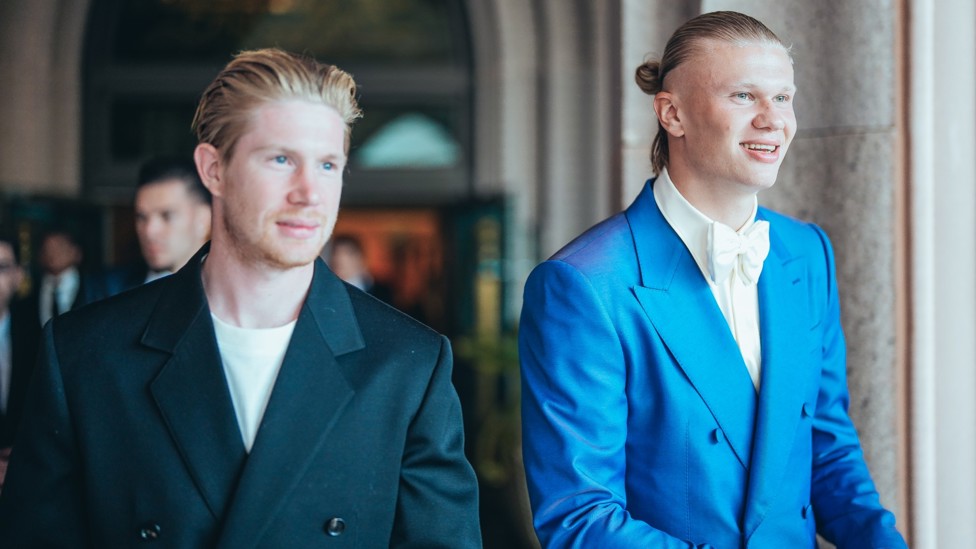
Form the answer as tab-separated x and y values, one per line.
667	113
207	159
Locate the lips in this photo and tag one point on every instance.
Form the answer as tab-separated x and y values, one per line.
299	228
299	224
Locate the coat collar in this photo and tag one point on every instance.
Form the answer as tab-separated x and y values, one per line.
787	367
192	395
308	397
682	309
191	390
680	305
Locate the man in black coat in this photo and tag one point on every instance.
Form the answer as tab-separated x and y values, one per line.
252	399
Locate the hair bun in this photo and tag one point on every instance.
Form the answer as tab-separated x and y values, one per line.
648	77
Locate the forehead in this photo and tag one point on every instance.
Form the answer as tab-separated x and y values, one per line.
294	120
716	63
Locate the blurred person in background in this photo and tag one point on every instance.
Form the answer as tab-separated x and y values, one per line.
172	211
347	259
20	333
62	286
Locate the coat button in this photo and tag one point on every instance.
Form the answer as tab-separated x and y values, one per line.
150	532
335	526
717	436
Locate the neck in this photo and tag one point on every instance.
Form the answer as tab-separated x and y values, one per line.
248	295
725	202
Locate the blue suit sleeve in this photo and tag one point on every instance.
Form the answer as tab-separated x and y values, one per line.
574	417
845	501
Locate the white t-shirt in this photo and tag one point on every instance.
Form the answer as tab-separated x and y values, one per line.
251	360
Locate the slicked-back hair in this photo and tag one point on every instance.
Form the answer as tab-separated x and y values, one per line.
256	77
724	26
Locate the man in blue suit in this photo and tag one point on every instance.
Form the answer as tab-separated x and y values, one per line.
683	361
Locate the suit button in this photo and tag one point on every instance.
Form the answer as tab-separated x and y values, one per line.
717	436
150	532
806	410
335	526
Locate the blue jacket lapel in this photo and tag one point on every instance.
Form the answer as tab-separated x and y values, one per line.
682	309
308	397
783	298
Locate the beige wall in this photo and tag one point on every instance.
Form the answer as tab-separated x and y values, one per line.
40	95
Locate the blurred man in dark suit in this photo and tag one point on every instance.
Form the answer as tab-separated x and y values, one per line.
347	259
172	208
19	335
62	286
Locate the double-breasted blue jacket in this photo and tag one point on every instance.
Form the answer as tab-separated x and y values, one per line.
641	426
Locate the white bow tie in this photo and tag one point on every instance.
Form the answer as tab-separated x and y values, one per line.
745	253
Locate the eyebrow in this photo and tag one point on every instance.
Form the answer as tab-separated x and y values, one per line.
750	84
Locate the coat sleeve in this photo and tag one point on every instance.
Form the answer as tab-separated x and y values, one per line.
437	505
574	417
42	503
845	501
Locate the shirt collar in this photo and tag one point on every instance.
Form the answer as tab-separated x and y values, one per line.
688	221
67	280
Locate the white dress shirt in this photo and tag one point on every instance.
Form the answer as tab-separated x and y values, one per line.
251	360
155	275
66	283
738	301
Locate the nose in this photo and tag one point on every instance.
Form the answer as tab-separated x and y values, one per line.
770	117
304	188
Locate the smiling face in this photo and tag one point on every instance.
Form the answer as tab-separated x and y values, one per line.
277	197
731	119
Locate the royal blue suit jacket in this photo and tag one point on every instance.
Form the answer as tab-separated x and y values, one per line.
641	426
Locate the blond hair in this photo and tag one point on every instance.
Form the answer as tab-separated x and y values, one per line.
256	77
725	26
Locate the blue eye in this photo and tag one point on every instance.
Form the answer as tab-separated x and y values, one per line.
281	159
328	166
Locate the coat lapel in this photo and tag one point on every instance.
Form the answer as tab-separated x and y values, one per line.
308	397
683	311
191	390
783	296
